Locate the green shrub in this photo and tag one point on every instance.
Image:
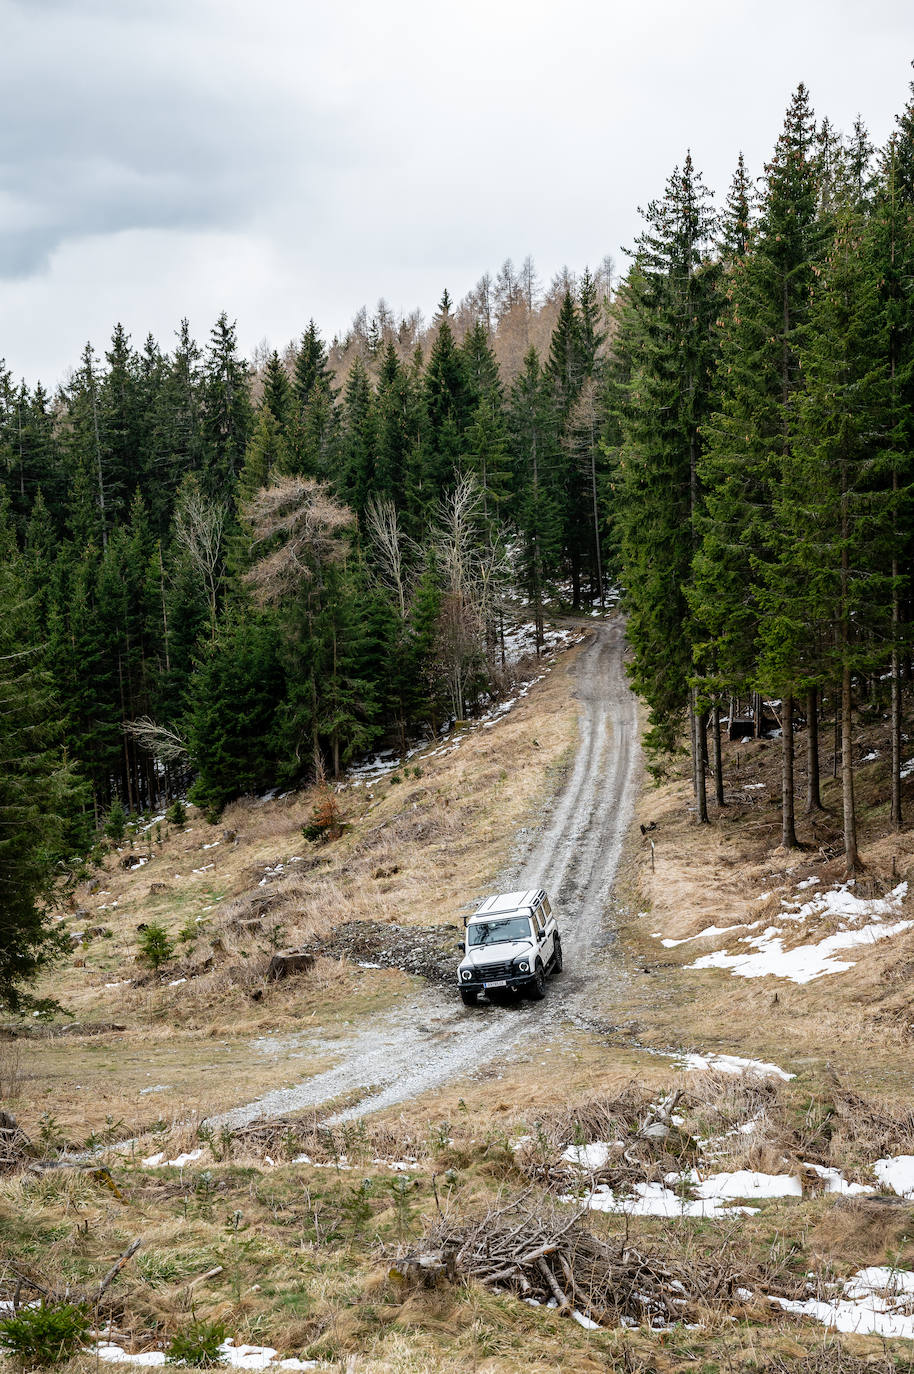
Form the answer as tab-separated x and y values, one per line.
116	824
176	813
155	947
41	1336
198	1345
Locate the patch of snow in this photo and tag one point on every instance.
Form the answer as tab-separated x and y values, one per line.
871	757
875	1301
808	882
205	868
743	1183
176	982
159	1161
897	1173
114	1354
213	845
593	1156
655	1200
156	1088
732	1063
802	964
752	786
579	1317
156	820
836	1183
704	934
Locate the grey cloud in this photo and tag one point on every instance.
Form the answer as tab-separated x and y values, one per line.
107	124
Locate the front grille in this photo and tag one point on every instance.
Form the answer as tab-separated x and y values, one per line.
489	972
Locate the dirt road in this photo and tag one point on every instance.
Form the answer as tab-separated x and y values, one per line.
573	854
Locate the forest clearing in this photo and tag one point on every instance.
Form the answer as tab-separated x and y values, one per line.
700	1169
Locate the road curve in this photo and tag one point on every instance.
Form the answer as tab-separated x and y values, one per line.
573	854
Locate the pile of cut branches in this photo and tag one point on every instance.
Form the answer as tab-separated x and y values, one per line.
544	1255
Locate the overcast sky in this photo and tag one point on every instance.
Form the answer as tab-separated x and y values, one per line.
287	158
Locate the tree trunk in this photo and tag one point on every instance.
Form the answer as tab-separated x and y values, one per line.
596	517
813	797
896	706
575	582
699	760
788	827
718	755
851	856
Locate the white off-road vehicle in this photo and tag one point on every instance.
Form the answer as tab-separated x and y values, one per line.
511	945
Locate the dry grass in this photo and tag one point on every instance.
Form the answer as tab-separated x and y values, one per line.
859	1022
413	851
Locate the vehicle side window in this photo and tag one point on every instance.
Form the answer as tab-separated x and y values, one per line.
538	923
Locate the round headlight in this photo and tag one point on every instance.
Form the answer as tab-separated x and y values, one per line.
466	974
524	966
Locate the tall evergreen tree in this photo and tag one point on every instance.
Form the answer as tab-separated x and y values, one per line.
665	352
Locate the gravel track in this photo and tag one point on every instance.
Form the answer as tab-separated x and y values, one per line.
573	855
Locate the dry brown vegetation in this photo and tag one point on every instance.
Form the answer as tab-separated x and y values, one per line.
304	1250
858	1022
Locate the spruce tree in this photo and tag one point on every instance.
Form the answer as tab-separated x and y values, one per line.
665	353
226	410
38	790
750	434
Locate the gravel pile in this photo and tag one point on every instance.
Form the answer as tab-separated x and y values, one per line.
430	951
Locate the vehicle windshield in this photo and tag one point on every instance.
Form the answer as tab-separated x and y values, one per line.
497	932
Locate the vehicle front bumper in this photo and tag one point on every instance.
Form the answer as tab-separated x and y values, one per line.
516	981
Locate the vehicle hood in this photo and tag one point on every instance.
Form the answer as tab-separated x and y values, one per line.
481	955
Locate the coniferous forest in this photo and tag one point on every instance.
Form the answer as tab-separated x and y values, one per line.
227	575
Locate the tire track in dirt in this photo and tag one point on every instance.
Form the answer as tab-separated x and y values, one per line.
574	855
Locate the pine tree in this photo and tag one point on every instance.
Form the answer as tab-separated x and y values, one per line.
750	434
831	575
536	506
358	439
277	392
311	368
665	354
226	410
236	697
39	796
737	217
447	407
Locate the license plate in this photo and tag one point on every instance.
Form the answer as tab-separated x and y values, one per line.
499	983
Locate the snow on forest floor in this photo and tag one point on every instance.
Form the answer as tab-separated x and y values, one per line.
860	922
519	644
875	1301
230	1355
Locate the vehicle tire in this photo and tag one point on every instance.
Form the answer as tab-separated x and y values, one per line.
468	997
536	989
557	956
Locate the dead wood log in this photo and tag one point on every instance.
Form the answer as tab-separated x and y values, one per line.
553	1284
116	1268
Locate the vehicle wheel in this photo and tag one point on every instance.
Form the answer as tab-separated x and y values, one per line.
537	989
557	956
468	997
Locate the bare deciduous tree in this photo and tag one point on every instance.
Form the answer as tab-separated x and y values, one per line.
199	532
474	569
160	741
304	528
389	542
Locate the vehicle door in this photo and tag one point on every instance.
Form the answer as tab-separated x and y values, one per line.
545	934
